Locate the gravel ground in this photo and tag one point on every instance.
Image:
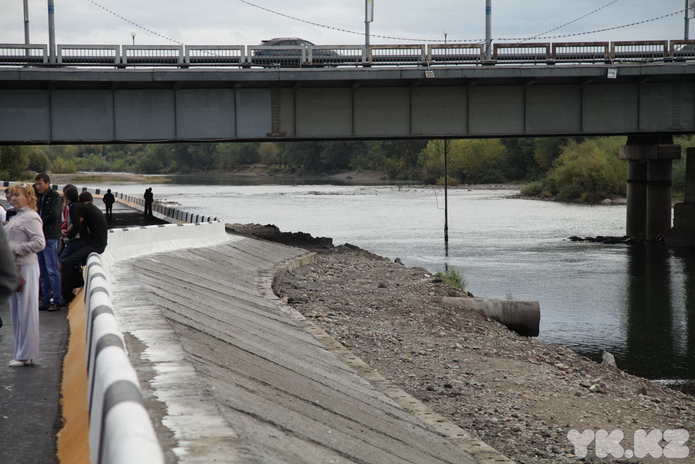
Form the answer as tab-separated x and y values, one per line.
518	394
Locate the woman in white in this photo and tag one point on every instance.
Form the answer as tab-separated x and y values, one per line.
25	235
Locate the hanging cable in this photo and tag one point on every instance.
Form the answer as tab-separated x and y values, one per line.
571	22
518	39
600	30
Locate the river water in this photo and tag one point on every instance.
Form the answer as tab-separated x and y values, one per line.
637	302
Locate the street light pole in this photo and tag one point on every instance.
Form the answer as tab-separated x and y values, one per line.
368	18
26	22
488	30
51	33
687	20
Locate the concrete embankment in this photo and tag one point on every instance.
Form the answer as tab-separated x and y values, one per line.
230	374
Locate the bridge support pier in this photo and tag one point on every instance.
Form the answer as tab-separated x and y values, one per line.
683	232
650	160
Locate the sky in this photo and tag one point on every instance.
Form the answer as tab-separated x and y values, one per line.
333	22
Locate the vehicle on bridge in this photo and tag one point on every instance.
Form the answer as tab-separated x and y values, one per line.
293	51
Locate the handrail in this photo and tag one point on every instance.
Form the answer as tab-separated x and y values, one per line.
242	56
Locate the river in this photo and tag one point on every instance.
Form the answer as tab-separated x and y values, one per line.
637	302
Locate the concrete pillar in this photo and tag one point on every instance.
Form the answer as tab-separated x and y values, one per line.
659	197
649	184
636	223
683	232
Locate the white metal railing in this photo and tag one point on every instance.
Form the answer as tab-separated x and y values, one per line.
265	56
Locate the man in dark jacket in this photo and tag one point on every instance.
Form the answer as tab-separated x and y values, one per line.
50	210
109	200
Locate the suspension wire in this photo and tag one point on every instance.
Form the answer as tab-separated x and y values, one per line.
658	18
134	23
517	39
331	27
571	22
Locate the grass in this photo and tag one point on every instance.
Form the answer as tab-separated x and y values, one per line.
452	277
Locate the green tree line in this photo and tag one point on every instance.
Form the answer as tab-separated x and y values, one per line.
568	168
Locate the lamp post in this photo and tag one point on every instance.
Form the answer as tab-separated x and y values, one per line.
51	33
445	35
688	6
132	34
26	22
488	29
368	18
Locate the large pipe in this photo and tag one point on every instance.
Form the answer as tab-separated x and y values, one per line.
523	317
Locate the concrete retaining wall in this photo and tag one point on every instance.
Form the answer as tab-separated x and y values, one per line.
120	430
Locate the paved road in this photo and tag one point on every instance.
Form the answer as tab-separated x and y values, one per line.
245	379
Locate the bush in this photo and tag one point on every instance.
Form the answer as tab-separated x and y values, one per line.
60	166
453	277
587	171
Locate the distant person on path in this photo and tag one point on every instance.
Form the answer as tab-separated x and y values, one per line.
26	238
93	233
8	271
149	199
49	208
109	200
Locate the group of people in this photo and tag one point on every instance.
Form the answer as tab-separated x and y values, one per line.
48	240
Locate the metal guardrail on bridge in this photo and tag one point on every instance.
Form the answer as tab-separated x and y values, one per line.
242	56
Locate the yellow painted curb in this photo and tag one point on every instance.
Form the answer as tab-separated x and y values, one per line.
73	438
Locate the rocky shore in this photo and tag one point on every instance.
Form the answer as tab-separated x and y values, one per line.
518	394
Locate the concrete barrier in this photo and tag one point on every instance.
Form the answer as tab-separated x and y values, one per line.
523	317
120	431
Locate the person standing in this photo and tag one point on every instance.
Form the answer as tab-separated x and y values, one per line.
49	208
26	238
149	199
109	200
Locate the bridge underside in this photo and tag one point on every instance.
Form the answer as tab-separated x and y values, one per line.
65	106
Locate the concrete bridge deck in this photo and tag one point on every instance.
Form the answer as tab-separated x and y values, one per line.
230	373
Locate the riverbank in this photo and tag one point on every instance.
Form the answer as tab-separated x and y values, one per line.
518	394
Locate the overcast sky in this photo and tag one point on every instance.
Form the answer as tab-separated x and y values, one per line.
238	22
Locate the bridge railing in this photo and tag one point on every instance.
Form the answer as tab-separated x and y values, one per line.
640	51
215	55
20	54
242	56
581	52
456	53
526	52
85	55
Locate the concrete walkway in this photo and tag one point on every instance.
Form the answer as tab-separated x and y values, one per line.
30	414
231	374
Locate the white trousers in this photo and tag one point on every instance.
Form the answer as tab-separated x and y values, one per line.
24	311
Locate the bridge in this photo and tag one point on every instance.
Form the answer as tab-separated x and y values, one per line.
140	94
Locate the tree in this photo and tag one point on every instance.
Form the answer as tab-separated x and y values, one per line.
14	162
590	171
